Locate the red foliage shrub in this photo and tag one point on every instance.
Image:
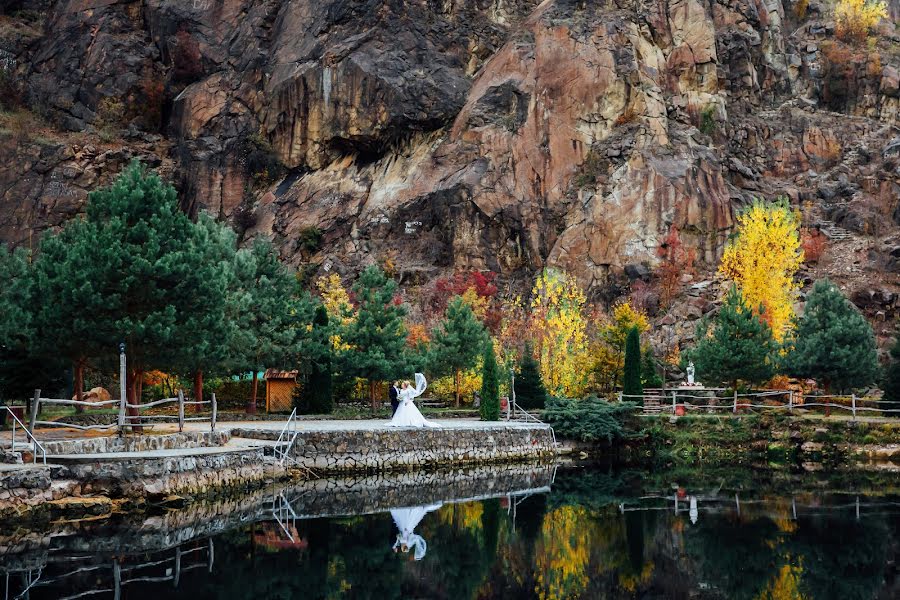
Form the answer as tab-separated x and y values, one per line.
676	260
814	243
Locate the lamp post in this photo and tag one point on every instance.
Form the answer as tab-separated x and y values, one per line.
512	392
122	382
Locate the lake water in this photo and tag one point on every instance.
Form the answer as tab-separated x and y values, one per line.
521	532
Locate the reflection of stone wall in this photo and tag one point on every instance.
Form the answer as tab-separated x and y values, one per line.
385	449
138	533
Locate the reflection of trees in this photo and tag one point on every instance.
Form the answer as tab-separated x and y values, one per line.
843	559
562	553
341	560
771	557
737	557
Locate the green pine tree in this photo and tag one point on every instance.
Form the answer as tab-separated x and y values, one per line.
891	381
530	390
317	395
650	378
833	343
740	346
490	387
15	300
141	272
631	377
263	305
457	343
377	336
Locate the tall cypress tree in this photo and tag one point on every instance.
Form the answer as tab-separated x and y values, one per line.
631	377
490	387
833	342
457	342
891	381
377	336
740	346
530	390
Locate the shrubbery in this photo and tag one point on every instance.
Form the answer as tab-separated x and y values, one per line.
853	19
591	419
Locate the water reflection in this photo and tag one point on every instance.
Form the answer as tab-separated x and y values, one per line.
406	520
508	534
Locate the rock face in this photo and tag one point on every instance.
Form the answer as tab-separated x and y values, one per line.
491	134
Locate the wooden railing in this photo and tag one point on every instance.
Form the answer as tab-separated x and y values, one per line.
36	447
669	400
124	418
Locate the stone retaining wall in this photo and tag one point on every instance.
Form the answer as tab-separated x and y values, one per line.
386	449
136	443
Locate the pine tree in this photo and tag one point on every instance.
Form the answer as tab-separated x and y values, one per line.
136	269
530	390
490	387
376	338
833	342
891	381
317	393
631	378
740	346
263	306
457	343
15	305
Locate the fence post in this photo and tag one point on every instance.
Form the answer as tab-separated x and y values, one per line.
853	401
674	395
180	411
35	407
791	401
214	407
621	396
734	410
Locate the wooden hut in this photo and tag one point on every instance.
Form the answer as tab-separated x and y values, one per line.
279	389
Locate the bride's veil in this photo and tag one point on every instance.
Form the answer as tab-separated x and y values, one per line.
421	384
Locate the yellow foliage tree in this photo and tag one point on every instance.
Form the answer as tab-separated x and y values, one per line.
608	348
560	332
854	19
337	303
762	259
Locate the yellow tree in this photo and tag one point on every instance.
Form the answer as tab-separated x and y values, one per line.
763	257
608	347
336	301
560	332
853	19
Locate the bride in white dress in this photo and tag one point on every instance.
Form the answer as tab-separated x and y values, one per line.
406	520
407	414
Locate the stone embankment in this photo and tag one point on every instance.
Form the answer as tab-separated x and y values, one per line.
386	449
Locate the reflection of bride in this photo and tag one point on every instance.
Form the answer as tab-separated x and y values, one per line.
406	520
407	414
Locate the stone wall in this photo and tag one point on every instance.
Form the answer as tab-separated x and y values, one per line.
137	443
387	449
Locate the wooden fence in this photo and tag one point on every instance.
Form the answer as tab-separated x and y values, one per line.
668	401
134	421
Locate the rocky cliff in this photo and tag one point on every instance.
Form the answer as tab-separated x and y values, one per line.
442	134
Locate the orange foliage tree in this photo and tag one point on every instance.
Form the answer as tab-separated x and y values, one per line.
676	259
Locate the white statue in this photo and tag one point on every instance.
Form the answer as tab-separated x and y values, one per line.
690	373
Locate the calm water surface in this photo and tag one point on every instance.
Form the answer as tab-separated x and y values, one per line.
567	533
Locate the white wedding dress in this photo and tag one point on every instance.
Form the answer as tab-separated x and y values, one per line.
406	520
408	414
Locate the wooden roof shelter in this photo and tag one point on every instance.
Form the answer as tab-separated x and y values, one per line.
279	389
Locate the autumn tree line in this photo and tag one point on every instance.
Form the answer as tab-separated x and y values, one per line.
187	300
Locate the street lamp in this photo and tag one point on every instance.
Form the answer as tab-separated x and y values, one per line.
121	387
